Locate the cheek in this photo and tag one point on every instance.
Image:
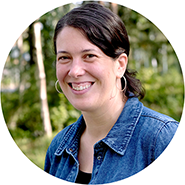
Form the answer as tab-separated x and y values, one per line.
61	72
58	72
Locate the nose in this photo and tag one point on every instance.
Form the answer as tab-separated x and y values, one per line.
76	69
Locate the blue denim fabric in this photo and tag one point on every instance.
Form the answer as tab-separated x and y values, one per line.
138	137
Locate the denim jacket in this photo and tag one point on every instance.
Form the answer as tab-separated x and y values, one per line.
138	137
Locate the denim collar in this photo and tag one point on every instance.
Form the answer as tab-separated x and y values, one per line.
117	138
121	133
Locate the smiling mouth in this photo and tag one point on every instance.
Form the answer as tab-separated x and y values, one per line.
80	86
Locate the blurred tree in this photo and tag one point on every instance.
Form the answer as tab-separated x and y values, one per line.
23	117
42	81
114	7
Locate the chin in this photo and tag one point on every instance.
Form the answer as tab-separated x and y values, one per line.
83	106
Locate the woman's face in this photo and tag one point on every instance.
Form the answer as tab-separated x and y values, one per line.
87	76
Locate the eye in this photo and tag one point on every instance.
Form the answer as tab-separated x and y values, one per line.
90	56
63	58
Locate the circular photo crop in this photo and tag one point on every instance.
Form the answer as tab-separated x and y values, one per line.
92	92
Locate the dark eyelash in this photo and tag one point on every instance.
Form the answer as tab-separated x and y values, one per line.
90	56
63	58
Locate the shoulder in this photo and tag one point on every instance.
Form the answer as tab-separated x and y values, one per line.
65	136
156	122
153	115
55	143
157	130
59	138
60	142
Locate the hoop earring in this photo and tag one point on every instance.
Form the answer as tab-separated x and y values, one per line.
57	87
125	83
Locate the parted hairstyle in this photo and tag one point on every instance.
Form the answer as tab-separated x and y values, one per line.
107	31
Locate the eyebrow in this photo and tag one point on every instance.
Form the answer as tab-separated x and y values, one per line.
62	52
83	51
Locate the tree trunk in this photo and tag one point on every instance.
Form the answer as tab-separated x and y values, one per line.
42	81
114	8
21	68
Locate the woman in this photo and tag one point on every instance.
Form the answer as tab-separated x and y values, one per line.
116	136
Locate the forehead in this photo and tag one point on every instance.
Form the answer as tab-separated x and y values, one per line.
72	39
69	31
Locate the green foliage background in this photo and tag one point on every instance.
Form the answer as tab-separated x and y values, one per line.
151	55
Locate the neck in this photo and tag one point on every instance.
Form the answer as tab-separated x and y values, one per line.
99	122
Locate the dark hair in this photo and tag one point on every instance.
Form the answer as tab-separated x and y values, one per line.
106	30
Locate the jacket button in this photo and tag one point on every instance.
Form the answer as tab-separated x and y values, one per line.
70	149
99	157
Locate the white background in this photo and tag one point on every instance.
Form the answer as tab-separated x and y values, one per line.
15	17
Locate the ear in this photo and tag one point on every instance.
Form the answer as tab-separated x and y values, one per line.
121	65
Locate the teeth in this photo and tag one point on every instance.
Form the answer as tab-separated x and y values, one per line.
80	88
